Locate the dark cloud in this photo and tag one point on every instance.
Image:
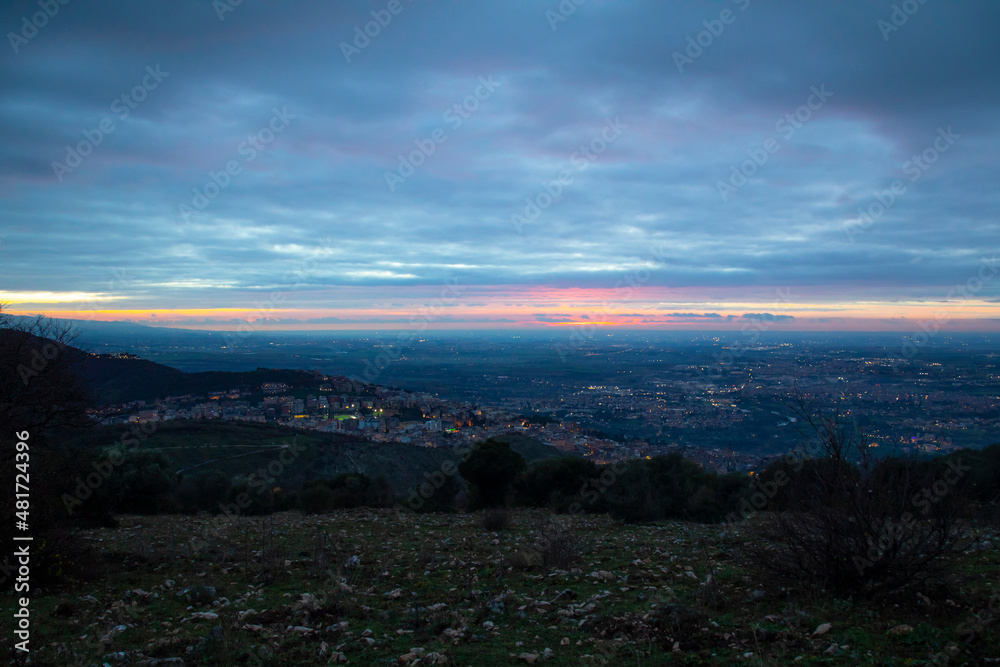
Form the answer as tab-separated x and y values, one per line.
766	317
311	212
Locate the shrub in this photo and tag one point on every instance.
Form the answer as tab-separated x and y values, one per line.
345	491
316	499
555	483
143	483
671	487
251	496
560	552
491	469
850	524
497	518
203	491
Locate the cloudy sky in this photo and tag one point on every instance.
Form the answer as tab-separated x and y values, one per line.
349	165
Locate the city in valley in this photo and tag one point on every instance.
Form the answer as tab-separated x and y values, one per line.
726	400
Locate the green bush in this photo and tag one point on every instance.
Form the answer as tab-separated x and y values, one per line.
491	469
671	487
555	483
316	499
345	491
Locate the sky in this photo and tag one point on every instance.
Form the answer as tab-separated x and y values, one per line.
393	164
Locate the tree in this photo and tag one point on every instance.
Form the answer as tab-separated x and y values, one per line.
491	469
849	523
555	482
39	393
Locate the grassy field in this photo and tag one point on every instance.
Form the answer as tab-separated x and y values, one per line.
376	587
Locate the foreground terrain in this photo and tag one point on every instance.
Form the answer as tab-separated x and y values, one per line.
380	587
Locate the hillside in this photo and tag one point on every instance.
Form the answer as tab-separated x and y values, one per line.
234	448
113	379
376	587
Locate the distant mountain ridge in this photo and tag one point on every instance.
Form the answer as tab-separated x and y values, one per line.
119	378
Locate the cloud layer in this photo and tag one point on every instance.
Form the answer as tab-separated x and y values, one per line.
636	159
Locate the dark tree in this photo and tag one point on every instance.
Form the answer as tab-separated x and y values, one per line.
491	469
39	394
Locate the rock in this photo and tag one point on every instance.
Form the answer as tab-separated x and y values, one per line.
901	630
202	616
822	629
758	595
306	602
109	638
253	629
530	658
488	625
300	629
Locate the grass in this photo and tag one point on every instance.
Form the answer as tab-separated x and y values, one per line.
380	583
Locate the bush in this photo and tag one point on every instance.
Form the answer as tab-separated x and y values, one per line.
203	491
497	518
491	469
555	483
143	483
862	528
671	487
251	496
345	491
316	499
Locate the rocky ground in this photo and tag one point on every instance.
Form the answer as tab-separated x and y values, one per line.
372	587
